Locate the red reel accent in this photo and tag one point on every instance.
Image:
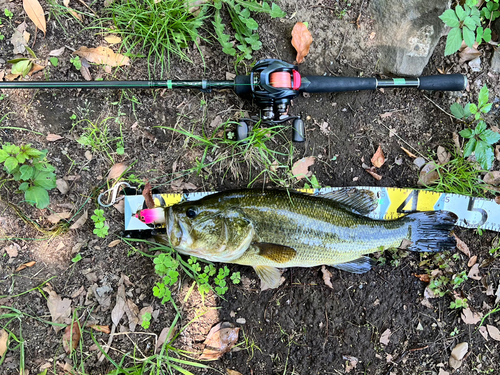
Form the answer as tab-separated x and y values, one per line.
282	80
296	80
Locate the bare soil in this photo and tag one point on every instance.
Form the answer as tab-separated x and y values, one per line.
304	327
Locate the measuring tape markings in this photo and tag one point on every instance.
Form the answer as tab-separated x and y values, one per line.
393	203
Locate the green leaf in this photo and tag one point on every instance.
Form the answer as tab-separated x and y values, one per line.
22	67
479	34
245	13
21	157
469	147
460	12
54	61
469	37
453	41
27	172
469	22
484	155
467	110
12	149
24	186
10	164
251	24
36	195
46	180
490	137
3	155
472	108
450	18
276	11
457	110
466	133
487	35
487	108
483	96
480	127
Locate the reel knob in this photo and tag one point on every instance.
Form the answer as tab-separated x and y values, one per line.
242	132
298	130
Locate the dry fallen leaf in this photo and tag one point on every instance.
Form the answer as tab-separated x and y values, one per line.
81	221
386	114
180	185
423	277
384	339
117	170
102	55
35	68
351	362
470	317
35	12
327	276
378	158
462	246
233	372
474	272
4	342
428	174
492	178
113	39
467	53
301	41
300	168
119	309
53	137
62	186
497	199
18	40
497	294
443	155
25	265
497	152
494	332
12	250
221	338
409	153
104	329
58	216
71	337
484	332
57	52
472	261
132	312
59	308
373	173
114	243
148	196
457	354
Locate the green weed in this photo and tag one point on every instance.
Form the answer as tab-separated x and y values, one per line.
459	303
77	63
100	230
30	168
23	65
146	320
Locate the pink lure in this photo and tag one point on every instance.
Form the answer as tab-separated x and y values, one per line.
151	216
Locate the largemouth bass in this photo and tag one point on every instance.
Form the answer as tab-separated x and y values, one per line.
276	229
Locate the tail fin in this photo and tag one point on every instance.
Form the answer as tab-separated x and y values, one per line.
430	231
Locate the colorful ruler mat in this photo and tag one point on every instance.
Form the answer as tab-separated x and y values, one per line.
393	203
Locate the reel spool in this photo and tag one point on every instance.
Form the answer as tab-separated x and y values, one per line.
274	84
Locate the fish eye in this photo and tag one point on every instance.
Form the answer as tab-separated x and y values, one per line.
191	213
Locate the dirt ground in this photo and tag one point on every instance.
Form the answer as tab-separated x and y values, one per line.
304	326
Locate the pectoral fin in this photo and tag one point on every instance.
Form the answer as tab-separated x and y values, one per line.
360	265
360	201
270	277
274	252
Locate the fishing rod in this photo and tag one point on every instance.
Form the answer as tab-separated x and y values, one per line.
272	84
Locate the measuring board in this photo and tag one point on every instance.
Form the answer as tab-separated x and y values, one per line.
392	203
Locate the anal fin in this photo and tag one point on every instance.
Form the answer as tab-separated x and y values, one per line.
270	277
360	265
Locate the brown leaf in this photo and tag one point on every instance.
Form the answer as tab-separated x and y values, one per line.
384	339
457	354
119	309
57	52
423	277
114	243
300	168
180	185
120	206
71	337
85	72
25	265
301	41
62	186
102	55
378	158
351	362
113	39
58	216
409	153
472	261
327	276
484	332
132	312
104	329
468	53
492	178
497	152
456	142
233	372
443	155
117	170
59	308
81	221
497	294
474	272
462	246
53	137
221	338
470	317
35	68
165	335
494	332
4	342
497	199
428	174
386	114
35	12
12	250
148	196
373	173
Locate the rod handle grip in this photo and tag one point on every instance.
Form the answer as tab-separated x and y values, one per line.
443	82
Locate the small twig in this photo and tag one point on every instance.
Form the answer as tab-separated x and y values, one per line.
342	46
87	7
449	114
360	12
406	143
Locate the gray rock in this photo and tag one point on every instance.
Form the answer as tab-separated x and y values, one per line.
495	61
408	31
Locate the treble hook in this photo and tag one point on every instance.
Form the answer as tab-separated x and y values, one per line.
114	194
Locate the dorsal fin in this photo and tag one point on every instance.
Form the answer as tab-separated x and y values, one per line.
361	201
274	252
